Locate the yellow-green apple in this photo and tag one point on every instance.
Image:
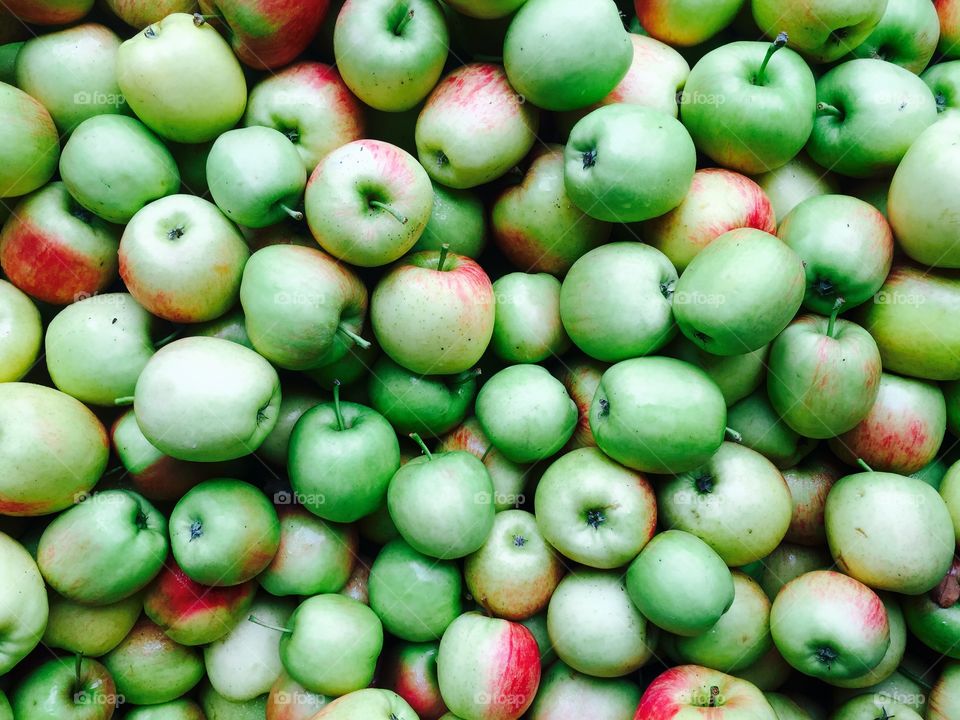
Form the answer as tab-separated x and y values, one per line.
295	399
903	430
206	399
830	626
944	700
629	312
368	202
810	482
182	259
736	375
433	312
687	692
31	146
180	709
458	219
789	561
537	225
140	13
944	81
948	11
63	689
729	312
658	414
527	326
594	511
54	449
310	104
410	670
790	184
581	377
823	31
73	73
48	12
289	700
91	630
488	668
769	673
372	703
217	546
934	618
191	613
474	127
906	35
181	79
680	584
55	250
594	626
685	22
21	332
565	693
846	246
895	651
718	201
23	604
217	707
871	706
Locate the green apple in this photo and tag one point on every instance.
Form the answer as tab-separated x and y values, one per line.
945	696
798	180
458	219
760	428
943	78
785	707
61	689
217	707
894	655
8	61
91	630
31	146
181	78
595	628
680	584
256	176
846	246
655	78
629	312
527	326
368	202
140	13
303	309
737	502
54	450
23	604
391	54
372	703
810	482
206	399
73	73
789	561
295	400
289	700
416	597
474	127
769	673
658	415
21	332
736	375
613	148
692	691
935	626
870	707
685	22
950	492
192	162
564	690
224	532
906	35
181	709
594	511
731	312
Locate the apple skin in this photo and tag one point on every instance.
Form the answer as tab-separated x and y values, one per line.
810	482
150	668
54	250
182	259
790	184
789	561
687	22
157	73
944	700
537	225
181	709
903	430
527	326
434	321
140	13
907	35
822	30
31	146
895	651
594	511
581	377
659	403
846	246
701	502
87	629
948	11
857	538
296	399
685	692
943	78
950	492
289	700
410	670
60	689
459	219
488	668
21	332
72	72
718	201
23	604
232	393
48	12
935	626
339	201
737	376
47	430
370	704
768	673
564	693
474	127
217	707
191	613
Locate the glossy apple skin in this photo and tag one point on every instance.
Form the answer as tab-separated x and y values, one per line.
295	400
813	25
140	13
372	703
944	80
57	690
289	700
687	22
31	147
56	251
459	219
810	482
935	626
895	651
21	332
49	12
907	35
655	78
181	709
565	694
948	11
411	672
88	629
684	693
903	430
790	184
217	707
23	604
737	376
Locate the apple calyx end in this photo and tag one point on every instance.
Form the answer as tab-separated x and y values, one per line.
589	158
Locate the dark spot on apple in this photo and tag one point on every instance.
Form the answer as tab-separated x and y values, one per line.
702	337
604	407
596	518
113	322
519	540
175	233
826	656
589	159
196	530
666	289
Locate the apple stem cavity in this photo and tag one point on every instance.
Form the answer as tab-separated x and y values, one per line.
295	214
401	218
336	406
364	344
404	21
125	400
863	463
733	435
423	446
589	159
444	249
279	628
779	42
833	316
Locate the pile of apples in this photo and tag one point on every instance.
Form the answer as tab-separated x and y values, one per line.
480	359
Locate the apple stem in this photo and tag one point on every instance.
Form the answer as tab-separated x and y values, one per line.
336	405
779	42
828	109
833	316
733	435
199	19
423	446
169	338
444	249
863	463
483	458
390	209
363	343
77	668
398	30
125	400
295	214
257	621
465	376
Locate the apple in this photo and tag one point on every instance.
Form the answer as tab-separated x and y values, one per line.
894	655
91	630
581	377
368	202
686	692
527	326
687	22
846	246
256	176
433	313
536	224
56	251
410	670
372	703
785	707
458	219
680	584
488	668
310	104
868	707
217	547
789	561
934	618
48	12
289	700
21	331
474	127
150	668
73	73
790	184
181	79
769	673
629	313
658	415
737	376
613	148
950	492
191	613
61	689
31	146
944	699
906	35
902	431
810	482
23	604
295	400
230	393
564	692
54	449
140	13
594	511
948	11
357	586
719	101
181	709
217	707
943	80
415	596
